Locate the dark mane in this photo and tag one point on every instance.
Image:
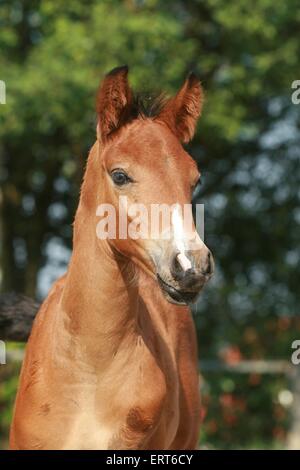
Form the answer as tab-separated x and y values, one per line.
142	105
147	105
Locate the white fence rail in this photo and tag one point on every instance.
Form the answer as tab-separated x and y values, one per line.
292	373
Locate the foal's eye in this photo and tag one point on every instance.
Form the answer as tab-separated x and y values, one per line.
120	178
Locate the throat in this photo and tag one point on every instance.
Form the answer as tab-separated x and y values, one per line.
100	298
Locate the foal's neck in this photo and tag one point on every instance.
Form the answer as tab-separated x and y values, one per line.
100	298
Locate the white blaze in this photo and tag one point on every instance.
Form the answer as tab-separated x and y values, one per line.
179	238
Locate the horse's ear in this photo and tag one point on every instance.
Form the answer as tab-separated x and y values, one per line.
182	111
114	102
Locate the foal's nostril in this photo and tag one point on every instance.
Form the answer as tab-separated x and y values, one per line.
208	266
189	277
181	267
176	269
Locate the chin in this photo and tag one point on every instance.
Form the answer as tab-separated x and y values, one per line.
176	296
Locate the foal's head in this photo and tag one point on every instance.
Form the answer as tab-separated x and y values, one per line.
142	159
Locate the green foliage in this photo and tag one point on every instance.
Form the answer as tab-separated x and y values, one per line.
9	375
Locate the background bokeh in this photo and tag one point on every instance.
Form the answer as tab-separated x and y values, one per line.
53	55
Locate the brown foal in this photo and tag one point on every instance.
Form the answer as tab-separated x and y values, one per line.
111	362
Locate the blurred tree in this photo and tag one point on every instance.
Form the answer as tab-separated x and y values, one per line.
248	148
54	56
